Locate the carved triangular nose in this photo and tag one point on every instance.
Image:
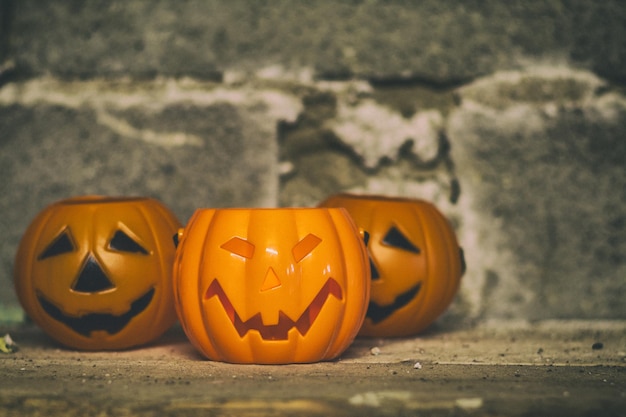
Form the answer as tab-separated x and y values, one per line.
271	280
92	278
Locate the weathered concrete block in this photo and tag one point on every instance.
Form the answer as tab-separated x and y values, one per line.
443	42
540	157
347	139
187	144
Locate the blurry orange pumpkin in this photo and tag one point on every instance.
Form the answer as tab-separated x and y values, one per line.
271	285
95	272
416	262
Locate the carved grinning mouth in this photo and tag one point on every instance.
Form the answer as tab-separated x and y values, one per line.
88	323
378	313
285	323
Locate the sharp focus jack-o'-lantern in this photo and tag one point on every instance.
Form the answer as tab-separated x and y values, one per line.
95	272
271	285
416	262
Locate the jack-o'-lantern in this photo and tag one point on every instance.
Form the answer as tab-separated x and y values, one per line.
271	285
416	262
95	272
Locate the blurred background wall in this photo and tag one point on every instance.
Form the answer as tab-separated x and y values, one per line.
509	116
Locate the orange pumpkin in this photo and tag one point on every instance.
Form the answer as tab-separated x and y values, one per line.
271	285
416	262
95	272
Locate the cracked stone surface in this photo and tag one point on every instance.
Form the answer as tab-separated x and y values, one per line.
535	165
444	43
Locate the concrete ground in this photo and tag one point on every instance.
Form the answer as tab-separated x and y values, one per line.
549	368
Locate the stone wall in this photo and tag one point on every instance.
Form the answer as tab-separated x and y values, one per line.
509	117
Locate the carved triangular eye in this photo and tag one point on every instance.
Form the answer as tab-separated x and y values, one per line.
305	246
240	247
396	239
121	242
61	244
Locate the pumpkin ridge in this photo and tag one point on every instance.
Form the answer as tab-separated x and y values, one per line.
443	265
208	233
454	256
147	216
181	269
159	215
339	217
427	250
25	268
437	248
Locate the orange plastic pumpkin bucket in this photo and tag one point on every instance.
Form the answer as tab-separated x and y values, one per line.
95	272
416	262
271	285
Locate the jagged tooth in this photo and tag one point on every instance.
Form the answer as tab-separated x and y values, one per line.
334	288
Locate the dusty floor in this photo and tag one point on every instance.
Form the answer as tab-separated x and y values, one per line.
505	369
